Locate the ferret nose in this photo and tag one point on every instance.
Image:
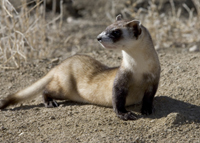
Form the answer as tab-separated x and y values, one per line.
99	37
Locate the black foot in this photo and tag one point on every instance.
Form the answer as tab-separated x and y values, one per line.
147	110
127	116
51	104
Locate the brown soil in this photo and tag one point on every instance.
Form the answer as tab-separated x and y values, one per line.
176	117
177	106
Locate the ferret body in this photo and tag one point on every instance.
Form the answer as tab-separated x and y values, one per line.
81	78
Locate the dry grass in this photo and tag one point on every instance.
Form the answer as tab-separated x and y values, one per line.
23	34
171	30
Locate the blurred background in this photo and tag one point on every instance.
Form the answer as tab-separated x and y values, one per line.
39	29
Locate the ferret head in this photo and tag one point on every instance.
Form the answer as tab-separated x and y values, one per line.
121	34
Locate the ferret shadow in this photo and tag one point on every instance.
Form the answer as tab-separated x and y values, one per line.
163	107
166	105
41	105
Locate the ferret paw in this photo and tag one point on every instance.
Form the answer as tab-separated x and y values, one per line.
51	104
127	116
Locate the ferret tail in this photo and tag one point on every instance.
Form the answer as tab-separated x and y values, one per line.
27	93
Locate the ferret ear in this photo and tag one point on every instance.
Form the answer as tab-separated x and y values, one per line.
136	26
119	17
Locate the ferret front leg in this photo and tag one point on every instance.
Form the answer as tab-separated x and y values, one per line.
147	102
119	101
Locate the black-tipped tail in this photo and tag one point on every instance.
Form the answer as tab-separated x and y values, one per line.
27	93
10	100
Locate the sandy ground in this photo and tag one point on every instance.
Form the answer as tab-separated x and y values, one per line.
176	118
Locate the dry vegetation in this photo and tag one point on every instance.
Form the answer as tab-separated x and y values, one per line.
169	29
24	34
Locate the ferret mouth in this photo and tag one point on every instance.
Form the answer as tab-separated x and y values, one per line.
105	41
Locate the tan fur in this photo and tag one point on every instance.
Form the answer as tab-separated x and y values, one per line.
83	79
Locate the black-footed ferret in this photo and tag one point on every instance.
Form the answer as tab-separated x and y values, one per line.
83	79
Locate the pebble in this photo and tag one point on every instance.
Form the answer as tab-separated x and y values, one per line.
52	118
21	133
3	128
194	49
175	118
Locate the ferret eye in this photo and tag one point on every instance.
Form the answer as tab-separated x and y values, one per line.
116	33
